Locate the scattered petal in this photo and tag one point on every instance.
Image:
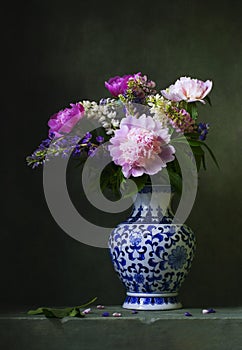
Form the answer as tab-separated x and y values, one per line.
208	311
87	311
105	314
187	314
211	311
100	307
117	314
134	312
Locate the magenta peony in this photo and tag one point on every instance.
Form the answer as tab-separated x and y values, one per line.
118	85
188	89
141	146
64	121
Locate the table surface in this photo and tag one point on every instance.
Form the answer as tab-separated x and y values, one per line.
143	316
168	330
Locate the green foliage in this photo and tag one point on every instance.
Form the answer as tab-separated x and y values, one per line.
175	180
140	182
192	109
75	311
197	145
199	156
207	98
111	179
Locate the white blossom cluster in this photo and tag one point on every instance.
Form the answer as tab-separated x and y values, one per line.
159	108
105	112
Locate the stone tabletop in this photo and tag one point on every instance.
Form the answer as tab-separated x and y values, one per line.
221	330
143	316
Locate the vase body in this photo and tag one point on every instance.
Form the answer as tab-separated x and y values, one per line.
150	253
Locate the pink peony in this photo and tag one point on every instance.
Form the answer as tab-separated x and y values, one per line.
65	120
141	146
118	85
188	89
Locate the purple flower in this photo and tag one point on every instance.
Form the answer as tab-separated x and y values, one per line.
100	139
87	138
118	85
92	151
133	87
140	146
203	130
64	121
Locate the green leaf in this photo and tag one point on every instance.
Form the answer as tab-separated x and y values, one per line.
197	150
56	313
212	155
192	109
181	139
197	143
36	311
74	311
207	98
140	183
194	143
176	180
199	156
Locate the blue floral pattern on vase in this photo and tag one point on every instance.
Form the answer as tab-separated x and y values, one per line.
152	256
178	257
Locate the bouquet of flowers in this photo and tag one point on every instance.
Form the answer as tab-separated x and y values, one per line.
137	125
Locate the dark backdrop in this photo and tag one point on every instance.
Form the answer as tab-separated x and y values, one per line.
57	52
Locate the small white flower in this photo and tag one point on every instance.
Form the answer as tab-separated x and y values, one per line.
106	125
102	118
115	122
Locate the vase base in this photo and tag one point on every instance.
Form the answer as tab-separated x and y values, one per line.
143	301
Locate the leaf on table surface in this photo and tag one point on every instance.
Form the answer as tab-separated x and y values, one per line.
75	311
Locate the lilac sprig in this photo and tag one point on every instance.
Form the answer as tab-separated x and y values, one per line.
38	156
139	87
181	120
64	147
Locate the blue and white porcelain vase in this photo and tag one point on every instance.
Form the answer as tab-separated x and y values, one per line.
150	253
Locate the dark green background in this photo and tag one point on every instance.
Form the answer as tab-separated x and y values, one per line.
57	52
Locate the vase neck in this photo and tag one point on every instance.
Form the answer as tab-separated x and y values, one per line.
152	203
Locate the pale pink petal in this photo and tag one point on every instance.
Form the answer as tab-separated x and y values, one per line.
167	154
137	171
